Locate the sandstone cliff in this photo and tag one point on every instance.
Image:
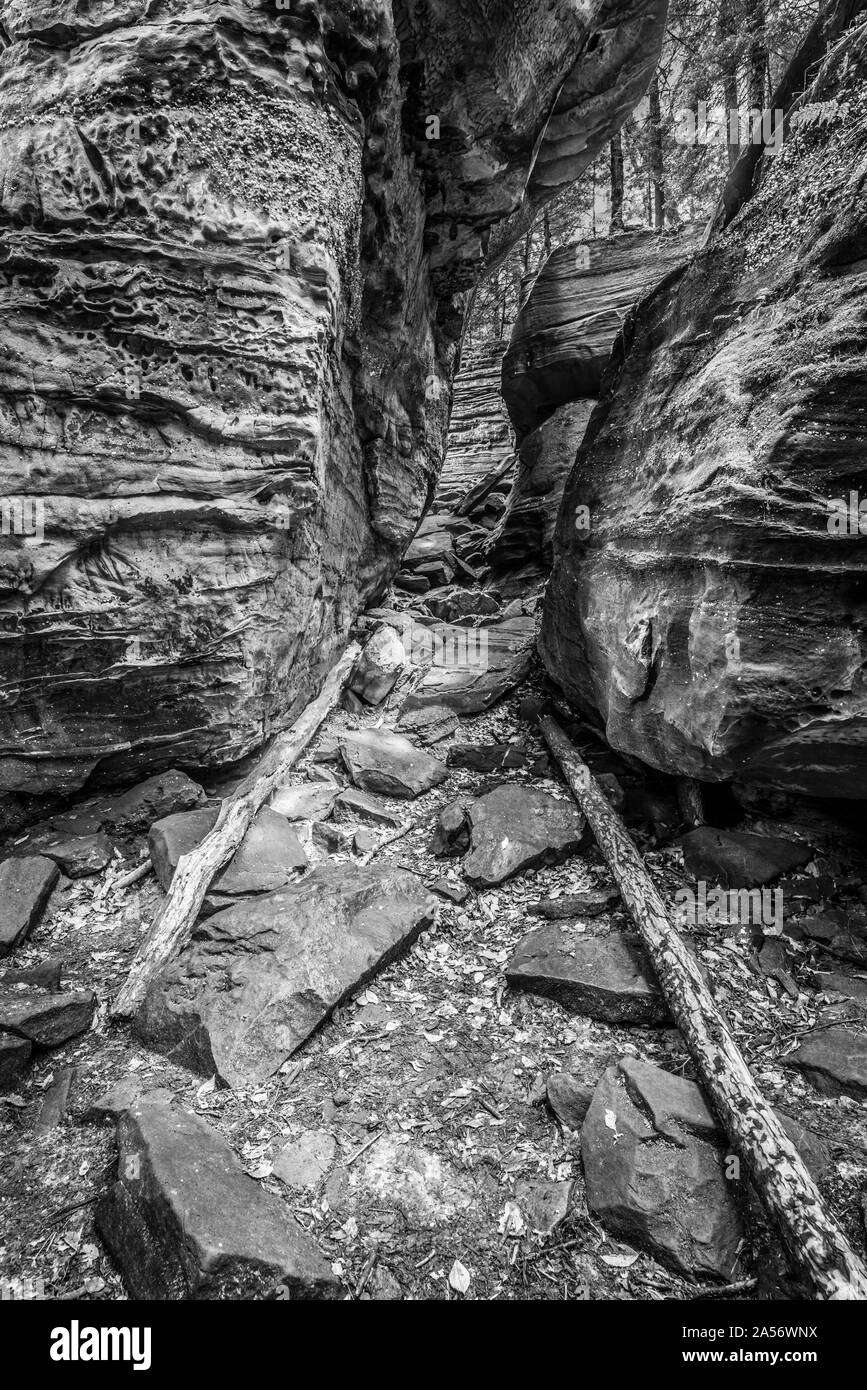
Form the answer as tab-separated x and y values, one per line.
708	607
236	243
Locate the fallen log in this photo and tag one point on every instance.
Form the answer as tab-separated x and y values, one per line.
173	924
816	1246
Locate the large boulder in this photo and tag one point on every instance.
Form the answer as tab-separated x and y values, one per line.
712	617
238	243
261	977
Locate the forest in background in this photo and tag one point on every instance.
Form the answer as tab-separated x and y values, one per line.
729	54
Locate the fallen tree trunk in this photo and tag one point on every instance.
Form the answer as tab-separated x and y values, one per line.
816	1245
174	922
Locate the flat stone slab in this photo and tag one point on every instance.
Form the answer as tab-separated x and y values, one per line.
44	1019
270	855
165	794
263	975
44	976
654	1170
472	668
834	1060
307	801
356	806
604	977
428	725
79	856
735	859
184	1221
487	757
378	760
25	887
515	828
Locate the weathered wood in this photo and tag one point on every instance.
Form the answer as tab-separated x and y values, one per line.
174	922
816	1245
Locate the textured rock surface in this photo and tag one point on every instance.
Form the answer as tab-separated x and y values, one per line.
480	436
736	859
567	325
653	1167
25	886
44	1019
603	977
270	854
835	1060
378	760
715	625
183	1220
472	668
525	536
515	828
260	977
235	255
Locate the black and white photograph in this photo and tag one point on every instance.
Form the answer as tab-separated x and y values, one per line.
433	677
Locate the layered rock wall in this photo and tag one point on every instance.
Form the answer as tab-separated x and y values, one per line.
236	241
711	615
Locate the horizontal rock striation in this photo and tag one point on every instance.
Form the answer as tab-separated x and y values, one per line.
552	372
236	245
711	615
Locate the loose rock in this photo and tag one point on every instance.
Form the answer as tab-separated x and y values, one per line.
184	1221
604	977
378	760
515	828
25	887
261	976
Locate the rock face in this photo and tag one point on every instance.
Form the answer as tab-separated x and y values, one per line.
564	332
480	436
525	536
715	625
237	299
552	372
183	1221
260	977
653	1167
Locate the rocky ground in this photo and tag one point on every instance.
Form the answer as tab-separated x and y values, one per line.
478	1094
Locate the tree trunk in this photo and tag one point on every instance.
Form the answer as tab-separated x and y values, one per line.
616	154
728	38
174	921
816	1245
657	161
